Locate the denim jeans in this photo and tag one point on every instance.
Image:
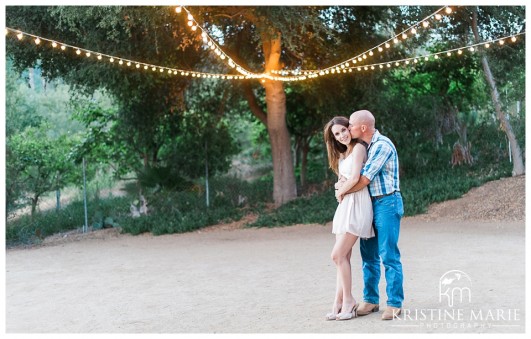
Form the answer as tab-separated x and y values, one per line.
387	214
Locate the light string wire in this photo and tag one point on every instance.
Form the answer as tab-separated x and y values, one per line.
207	39
435	55
214	46
173	71
119	60
380	47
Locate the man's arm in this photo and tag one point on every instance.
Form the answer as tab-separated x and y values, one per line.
363	182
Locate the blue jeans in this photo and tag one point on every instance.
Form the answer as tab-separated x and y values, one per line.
387	214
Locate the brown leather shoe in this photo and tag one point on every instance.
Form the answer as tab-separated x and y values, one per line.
391	313
367	308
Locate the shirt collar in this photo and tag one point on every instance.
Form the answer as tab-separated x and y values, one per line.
375	137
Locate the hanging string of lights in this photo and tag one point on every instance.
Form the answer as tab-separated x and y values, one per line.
304	74
427	57
218	51
38	40
395	40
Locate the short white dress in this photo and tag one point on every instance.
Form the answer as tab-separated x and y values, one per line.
354	213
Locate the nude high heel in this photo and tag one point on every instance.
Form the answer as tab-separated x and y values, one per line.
348	315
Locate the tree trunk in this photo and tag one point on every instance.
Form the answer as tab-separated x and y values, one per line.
34	202
284	186
305	148
518	163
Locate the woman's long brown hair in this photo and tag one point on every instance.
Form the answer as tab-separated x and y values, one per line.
333	147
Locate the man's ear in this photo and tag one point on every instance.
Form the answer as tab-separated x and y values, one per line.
363	128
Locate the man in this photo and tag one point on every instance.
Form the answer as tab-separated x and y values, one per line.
381	174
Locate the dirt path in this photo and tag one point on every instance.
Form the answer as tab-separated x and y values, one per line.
261	280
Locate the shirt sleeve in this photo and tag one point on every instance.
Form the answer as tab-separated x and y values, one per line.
377	159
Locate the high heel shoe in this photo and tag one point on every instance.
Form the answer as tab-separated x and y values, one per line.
332	315
348	315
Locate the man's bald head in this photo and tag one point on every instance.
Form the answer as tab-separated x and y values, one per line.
362	117
362	125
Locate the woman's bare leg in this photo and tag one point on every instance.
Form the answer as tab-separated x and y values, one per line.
341	256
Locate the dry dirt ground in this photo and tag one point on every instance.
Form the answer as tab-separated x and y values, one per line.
232	279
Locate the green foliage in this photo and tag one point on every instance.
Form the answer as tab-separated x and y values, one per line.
178	212
26	230
39	164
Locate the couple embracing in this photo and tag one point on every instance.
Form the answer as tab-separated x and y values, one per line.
370	208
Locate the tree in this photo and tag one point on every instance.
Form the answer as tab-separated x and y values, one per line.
518	162
41	164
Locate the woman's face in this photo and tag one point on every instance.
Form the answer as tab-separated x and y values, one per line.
341	133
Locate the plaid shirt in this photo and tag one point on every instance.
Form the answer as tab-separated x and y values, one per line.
381	167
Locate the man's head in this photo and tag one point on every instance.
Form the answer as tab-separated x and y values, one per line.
362	125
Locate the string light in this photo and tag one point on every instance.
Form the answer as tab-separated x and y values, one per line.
340	68
88	53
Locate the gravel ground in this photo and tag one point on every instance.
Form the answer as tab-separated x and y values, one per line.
228	279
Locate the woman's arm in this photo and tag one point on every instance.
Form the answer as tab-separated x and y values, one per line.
357	163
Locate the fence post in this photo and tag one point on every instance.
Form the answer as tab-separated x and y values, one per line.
85	227
206	175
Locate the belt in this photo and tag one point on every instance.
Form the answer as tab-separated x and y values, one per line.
378	197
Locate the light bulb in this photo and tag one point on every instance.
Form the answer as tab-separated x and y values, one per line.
501	42
448	10
487	45
63	47
190	17
145	67
436	56
513	39
78	52
178	9
194	28
20	36
425	24
87	54
413	31
395	40
54	44
371	53
449	53
387	45
404	36
438	16
37	41
190	23
137	65
121	62
380	49
129	63
459	52
111	59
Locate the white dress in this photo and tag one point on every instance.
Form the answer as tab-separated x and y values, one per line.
354	213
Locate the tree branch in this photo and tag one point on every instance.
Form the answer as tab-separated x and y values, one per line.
253	104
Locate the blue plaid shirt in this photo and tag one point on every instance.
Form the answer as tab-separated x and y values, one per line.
381	167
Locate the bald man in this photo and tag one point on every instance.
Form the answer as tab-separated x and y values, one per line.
380	173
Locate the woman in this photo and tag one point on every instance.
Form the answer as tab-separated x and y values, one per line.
353	217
